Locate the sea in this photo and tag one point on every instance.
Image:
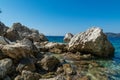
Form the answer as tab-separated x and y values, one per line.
113	65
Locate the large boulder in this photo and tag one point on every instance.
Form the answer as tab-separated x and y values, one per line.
25	48
3	29
68	37
92	41
5	66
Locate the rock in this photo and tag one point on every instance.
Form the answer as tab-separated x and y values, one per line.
7	78
92	41
56	47
22	30
68	37
25	48
49	63
68	69
85	78
42	37
4	40
28	75
12	35
3	29
26	64
29	33
5	66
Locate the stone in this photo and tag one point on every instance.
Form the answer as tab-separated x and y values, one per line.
43	37
4	40
29	33
68	37
5	66
68	69
49	63
28	75
56	47
7	78
25	48
12	35
26	64
92	41
3	28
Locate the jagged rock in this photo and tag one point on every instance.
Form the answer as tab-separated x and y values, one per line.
5	66
26	64
28	75
25	48
3	29
68	37
12	35
92	41
47	63
29	33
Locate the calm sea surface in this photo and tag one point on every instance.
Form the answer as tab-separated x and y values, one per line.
112	65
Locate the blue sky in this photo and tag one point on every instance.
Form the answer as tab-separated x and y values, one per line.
57	17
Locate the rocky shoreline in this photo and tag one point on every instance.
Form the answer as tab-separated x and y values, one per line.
26	54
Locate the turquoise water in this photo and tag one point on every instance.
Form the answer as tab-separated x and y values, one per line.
113	65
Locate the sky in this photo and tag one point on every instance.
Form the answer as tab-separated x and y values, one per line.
58	17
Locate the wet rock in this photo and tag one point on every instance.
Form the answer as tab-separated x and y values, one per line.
19	50
5	66
26	64
28	75
68	37
49	63
92	41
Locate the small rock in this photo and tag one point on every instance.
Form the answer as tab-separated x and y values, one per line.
68	37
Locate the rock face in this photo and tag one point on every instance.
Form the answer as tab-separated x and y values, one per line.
68	37
5	65
3	29
47	63
92	41
19	50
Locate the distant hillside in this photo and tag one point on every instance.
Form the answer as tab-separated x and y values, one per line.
110	34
